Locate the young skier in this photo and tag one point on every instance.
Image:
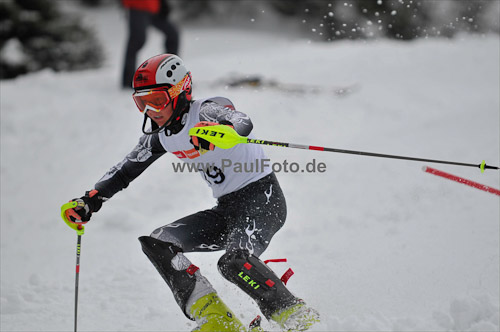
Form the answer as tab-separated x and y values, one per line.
250	206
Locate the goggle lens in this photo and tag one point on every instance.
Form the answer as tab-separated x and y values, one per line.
154	100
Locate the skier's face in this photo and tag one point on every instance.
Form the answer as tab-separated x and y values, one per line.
161	117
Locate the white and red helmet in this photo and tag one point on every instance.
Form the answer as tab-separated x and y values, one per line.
166	71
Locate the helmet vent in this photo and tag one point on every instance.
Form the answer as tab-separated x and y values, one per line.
164	70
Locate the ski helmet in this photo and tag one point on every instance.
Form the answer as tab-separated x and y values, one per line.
166	72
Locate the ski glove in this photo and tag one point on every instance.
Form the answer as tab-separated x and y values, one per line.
89	203
201	143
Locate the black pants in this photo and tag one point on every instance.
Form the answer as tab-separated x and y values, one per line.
246	219
138	23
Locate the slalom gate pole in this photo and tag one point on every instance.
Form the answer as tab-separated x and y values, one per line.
461	180
225	137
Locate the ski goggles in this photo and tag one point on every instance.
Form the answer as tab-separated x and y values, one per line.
157	99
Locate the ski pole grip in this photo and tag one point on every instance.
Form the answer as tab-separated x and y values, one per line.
78	227
222	136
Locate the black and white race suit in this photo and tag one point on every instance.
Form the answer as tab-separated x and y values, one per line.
250	206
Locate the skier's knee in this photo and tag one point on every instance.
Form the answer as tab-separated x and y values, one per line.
154	247
164	235
229	263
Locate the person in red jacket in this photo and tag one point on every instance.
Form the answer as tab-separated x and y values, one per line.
141	14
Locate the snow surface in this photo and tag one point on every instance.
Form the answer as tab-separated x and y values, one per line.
376	244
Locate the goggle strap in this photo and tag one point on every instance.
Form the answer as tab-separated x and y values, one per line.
155	131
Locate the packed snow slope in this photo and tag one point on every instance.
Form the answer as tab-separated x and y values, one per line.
375	244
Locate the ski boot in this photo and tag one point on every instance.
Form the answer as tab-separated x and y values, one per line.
211	314
298	317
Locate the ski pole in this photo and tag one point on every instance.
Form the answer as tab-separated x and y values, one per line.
77	275
80	230
225	137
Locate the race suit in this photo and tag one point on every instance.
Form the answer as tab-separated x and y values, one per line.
250	206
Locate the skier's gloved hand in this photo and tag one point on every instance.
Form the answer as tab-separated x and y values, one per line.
201	143
89	203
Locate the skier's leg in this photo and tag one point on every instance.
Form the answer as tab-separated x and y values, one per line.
254	215
258	211
192	291
252	230
202	231
178	272
275	301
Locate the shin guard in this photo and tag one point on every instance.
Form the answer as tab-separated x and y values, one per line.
173	266
256	279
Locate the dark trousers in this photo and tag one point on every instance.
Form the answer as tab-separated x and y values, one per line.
246	219
137	27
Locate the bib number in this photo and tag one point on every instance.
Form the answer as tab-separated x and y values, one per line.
213	175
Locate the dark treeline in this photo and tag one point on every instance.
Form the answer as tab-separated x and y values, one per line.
40	36
34	34
331	20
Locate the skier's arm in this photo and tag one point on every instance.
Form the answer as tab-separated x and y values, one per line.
142	156
213	112
117	178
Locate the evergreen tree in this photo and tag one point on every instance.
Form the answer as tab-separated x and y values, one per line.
34	34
